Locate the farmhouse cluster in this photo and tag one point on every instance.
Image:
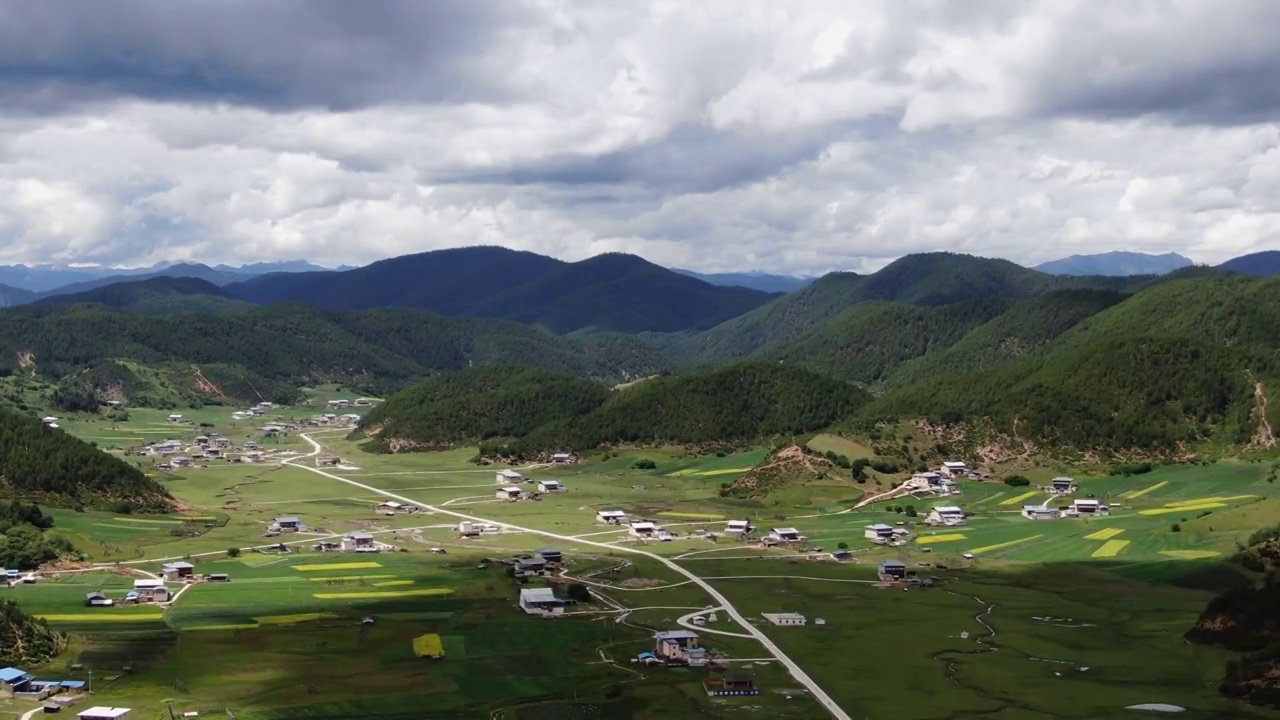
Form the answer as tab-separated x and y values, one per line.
509	482
176	454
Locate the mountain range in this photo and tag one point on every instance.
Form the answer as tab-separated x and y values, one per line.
1150	361
1115	264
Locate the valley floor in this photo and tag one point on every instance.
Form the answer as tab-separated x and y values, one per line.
1048	619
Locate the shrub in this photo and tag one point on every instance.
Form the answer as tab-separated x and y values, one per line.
645	464
1016	481
842	545
1176	528
233	552
911	511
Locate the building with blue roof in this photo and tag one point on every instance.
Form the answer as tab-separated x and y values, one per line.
13	680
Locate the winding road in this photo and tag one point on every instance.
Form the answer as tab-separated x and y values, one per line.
723	602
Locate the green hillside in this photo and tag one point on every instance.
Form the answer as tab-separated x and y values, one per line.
478	405
536	413
870	340
38	462
929	279
1178	363
1022	328
268	352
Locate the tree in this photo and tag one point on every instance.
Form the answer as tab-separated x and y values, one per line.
578	592
842	545
233	552
1017	481
911	511
645	464
1176	528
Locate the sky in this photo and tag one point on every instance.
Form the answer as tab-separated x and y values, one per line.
789	137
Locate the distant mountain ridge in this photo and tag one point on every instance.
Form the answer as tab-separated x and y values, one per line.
46	280
157	295
612	292
754	280
1262	264
1115	264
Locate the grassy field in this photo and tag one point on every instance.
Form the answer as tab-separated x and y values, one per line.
1109	594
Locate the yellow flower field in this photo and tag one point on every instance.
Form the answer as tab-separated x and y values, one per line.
1019	498
1106	534
428	646
1201	501
1139	493
382	595
927	539
1003	545
1111	548
1191	554
1182	508
692	515
388	583
339	566
351	578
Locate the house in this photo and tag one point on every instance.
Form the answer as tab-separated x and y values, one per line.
213	452
391	507
105	713
549	486
359	542
1090	506
1038	512
326	546
954	468
739	527
879	533
508	493
362	402
1062	485
287	523
730	686
643	529
202	440
151	590
541	601
785	535
891	570
528	567
328	460
219	577
50	420
785	619
611	517
339	403
680	646
924	481
13	680
177	570
552	556
174	418
168	447
180	461
466	528
561	458
648	658
509	477
842	556
97	599
222	442
252	445
945	515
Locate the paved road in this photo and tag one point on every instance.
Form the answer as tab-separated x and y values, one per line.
796	671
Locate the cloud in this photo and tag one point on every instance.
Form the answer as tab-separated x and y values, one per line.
720	135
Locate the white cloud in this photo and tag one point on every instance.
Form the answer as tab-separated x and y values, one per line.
787	137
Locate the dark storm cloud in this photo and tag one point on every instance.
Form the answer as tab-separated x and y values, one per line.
1201	62
336	54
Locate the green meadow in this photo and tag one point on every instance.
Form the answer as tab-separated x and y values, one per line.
1118	591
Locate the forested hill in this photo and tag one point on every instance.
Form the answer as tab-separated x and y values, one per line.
734	404
270	351
931	279
477	405
37	462
1177	363
158	295
613	292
